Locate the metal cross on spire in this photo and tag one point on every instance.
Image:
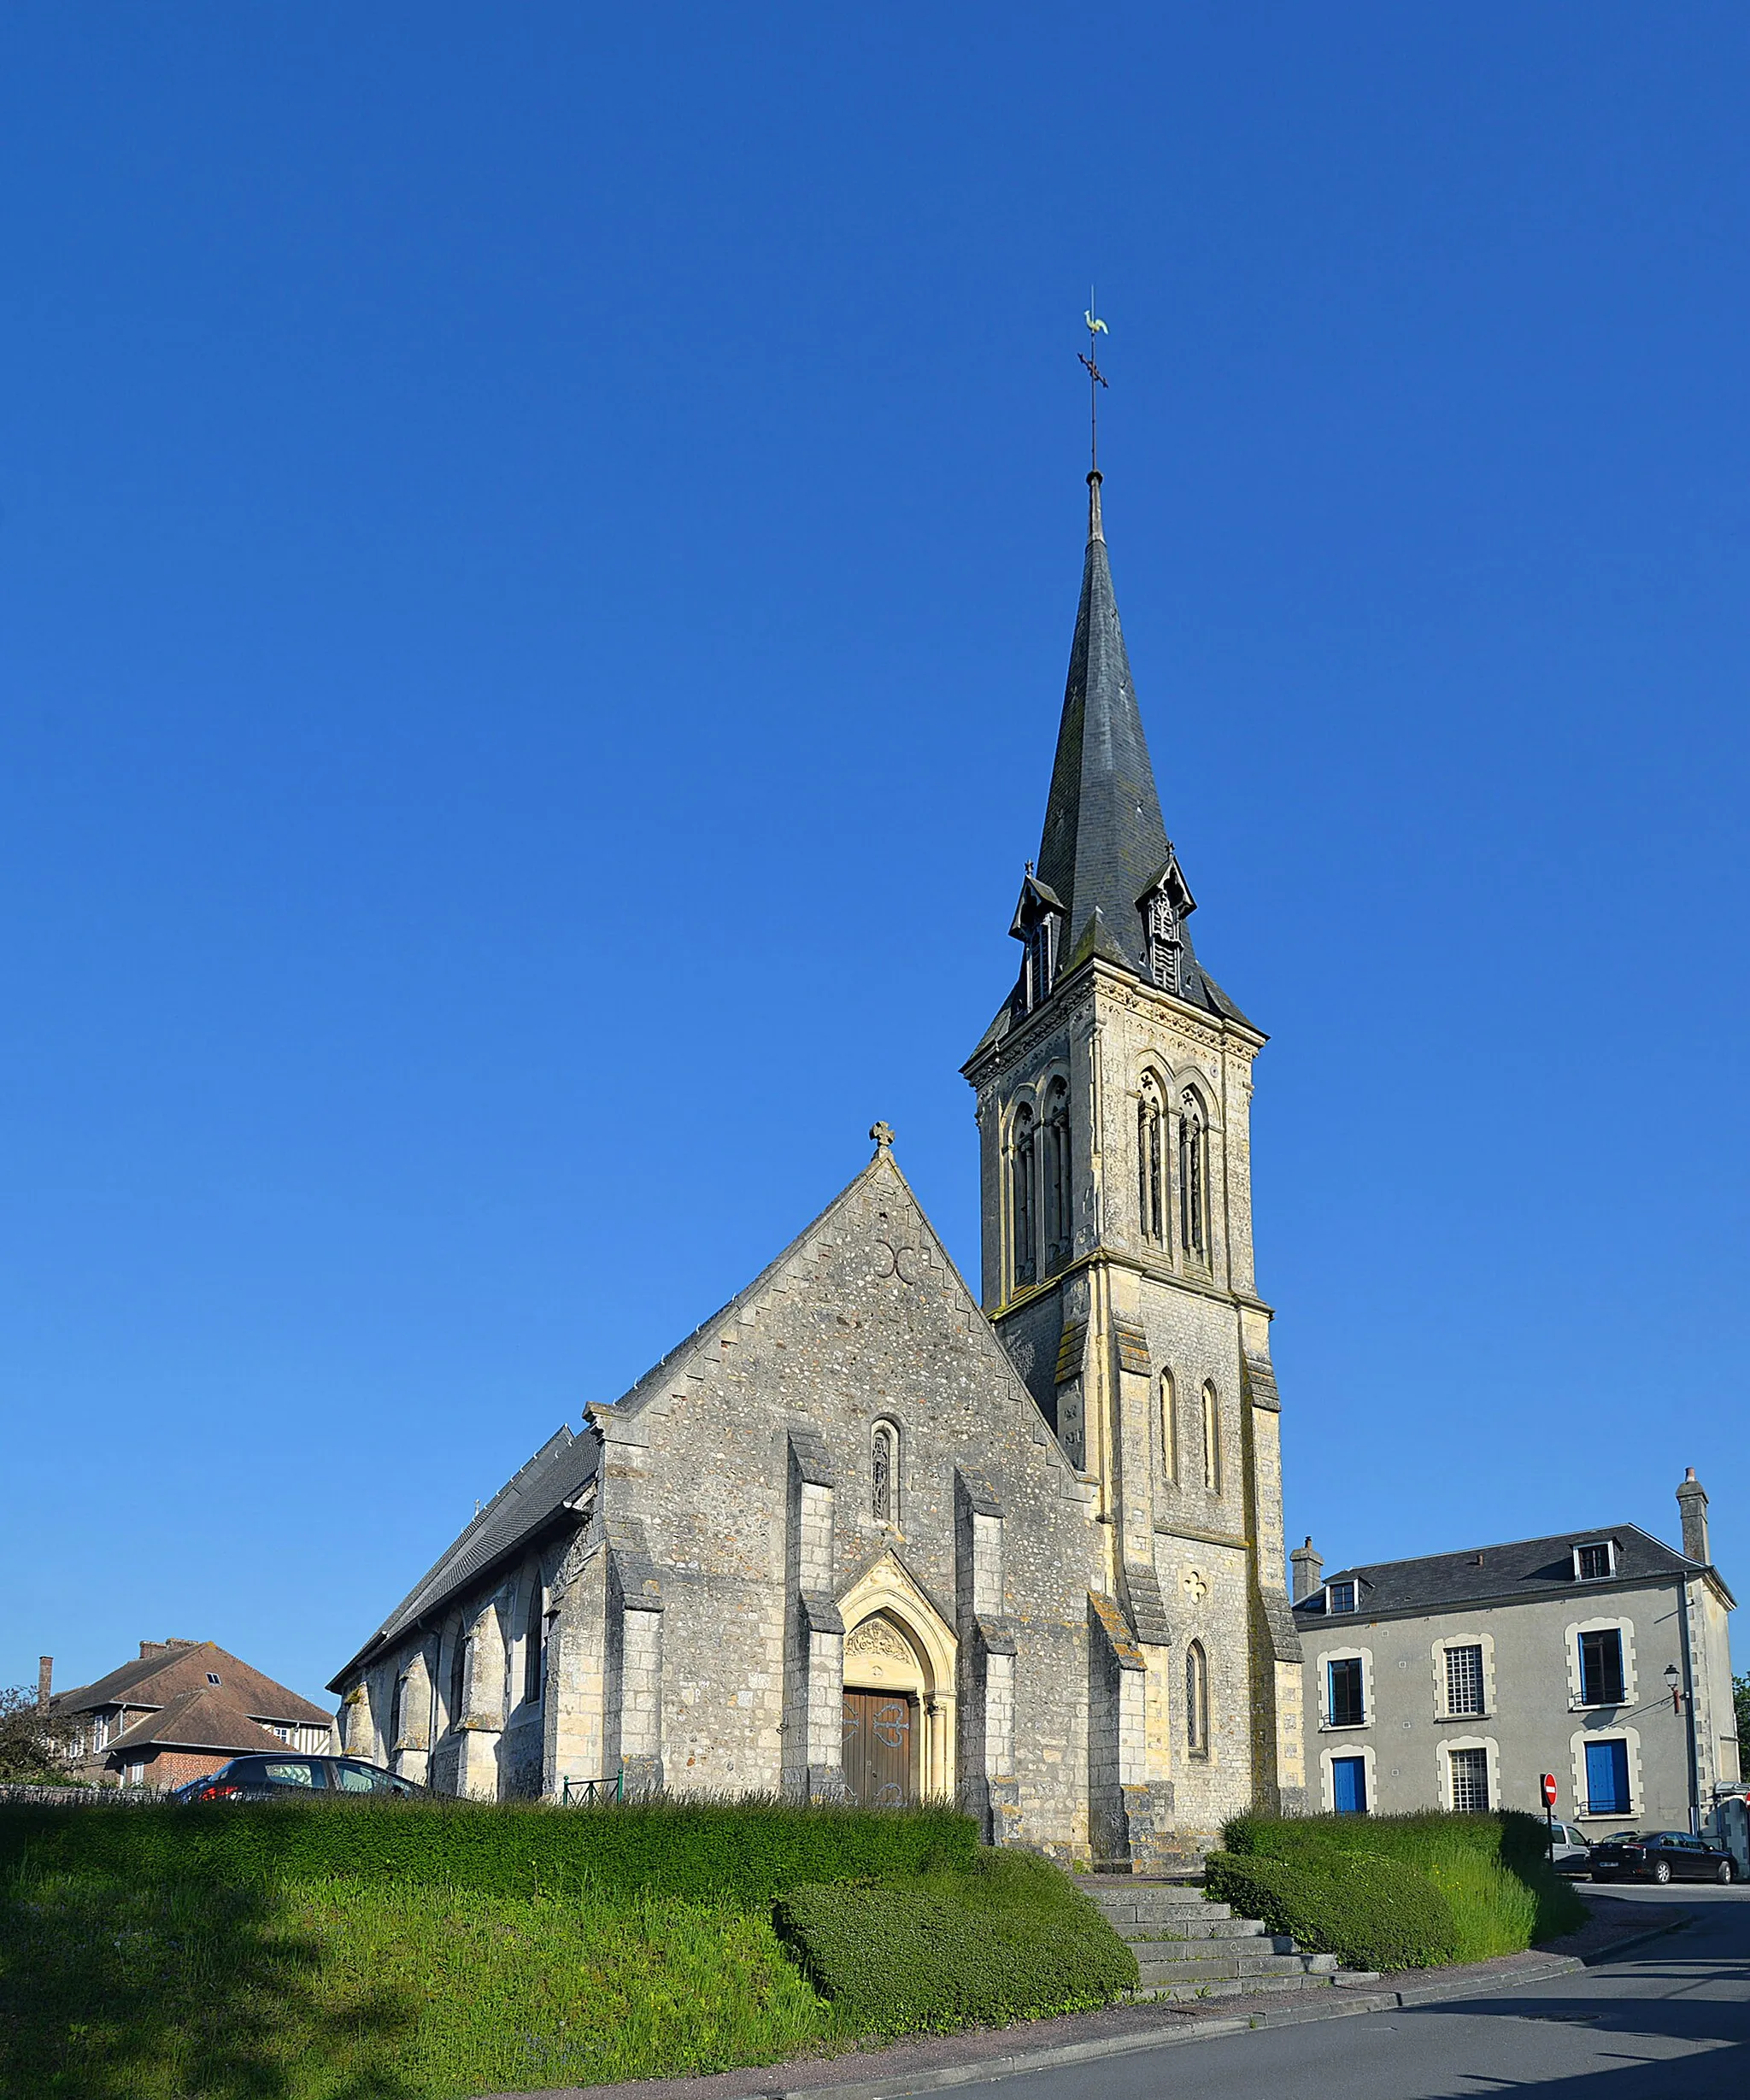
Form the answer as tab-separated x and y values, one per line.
1096	379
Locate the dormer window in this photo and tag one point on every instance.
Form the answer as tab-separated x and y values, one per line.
1165	904
1036	924
1166	945
1596	1562
1339	1597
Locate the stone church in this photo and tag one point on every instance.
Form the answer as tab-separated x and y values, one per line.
863	1534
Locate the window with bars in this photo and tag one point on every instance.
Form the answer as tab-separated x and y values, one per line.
1346	1701
1464	1681
1469	1778
1601	1669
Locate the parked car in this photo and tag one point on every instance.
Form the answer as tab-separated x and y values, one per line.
289	1777
1660	1855
1570	1853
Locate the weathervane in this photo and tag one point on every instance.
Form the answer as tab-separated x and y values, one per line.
1096	379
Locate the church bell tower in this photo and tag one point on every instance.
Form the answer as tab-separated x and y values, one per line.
1113	1098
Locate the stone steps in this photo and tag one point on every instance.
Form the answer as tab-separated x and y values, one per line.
1186	1948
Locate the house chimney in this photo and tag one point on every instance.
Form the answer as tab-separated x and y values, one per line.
45	1678
150	1648
1309	1570
1691	1500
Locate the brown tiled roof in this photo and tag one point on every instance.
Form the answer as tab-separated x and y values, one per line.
157	1679
197	1719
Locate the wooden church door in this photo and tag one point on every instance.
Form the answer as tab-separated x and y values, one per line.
878	1732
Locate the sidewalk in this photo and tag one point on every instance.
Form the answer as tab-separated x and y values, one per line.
938	2062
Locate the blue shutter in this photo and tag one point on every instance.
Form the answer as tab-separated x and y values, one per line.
1349	1778
1607	1778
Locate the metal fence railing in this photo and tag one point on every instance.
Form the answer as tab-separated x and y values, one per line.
575	1792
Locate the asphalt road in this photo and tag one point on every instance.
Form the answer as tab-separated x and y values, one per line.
1668	2021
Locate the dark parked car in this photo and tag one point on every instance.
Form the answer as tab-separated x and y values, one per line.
1660	1855
296	1778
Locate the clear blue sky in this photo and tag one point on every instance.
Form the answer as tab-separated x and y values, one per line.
538	554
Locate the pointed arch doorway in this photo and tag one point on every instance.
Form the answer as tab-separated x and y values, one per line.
899	1674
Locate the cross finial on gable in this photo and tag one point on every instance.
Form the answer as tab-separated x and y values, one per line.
883	1134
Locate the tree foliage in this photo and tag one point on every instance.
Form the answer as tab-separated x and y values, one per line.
35	1742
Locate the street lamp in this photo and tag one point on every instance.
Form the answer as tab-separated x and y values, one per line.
1672	1678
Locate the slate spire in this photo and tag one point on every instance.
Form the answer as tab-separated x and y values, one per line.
1104	841
1104	851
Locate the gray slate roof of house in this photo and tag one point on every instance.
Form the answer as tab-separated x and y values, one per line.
1525	1568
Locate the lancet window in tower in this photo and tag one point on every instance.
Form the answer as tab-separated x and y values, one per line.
1151	1114
1057	1173
1212	1441
1022	1169
1168	1428
1193	1176
884	1473
1037	964
1197	1701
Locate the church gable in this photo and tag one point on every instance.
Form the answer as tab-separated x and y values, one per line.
862	1323
800	1472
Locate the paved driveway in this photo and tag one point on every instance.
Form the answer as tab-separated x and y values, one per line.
1670	2020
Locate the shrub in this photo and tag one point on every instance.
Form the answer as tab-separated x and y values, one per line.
1384	1916
1013	1939
1494	1869
743	1852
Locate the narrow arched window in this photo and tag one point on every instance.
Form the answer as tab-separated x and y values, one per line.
458	1676
1212	1441
883	1473
1057	1173
1038	962
1168	1428
1197	1701
1194	1175
397	1715
1150	1115
535	1643
1022	1167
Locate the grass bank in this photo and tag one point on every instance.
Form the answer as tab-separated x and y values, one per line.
429	1951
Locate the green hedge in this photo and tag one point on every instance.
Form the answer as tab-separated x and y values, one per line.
1513	1840
1493	1869
743	1852
1379	1915
1013	1939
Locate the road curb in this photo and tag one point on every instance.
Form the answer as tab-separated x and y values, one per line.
1338	2002
1060	2055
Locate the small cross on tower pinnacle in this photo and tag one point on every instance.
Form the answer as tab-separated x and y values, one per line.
883	1134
